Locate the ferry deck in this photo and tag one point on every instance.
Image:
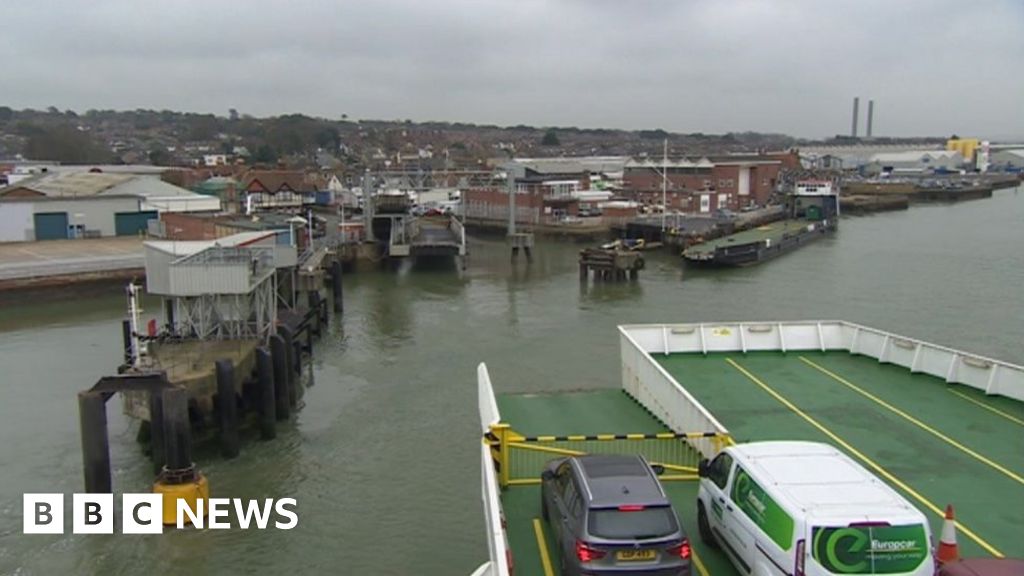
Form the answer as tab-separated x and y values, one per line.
939	425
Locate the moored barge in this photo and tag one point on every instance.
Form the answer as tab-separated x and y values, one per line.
813	212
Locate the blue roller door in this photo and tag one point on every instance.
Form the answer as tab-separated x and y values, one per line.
131	223
51	225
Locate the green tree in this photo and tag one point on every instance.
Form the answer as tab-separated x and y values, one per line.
64	144
265	154
158	156
202	126
550	138
6	114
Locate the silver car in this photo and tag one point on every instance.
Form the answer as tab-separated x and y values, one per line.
609	515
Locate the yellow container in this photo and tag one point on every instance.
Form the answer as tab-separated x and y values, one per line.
191	492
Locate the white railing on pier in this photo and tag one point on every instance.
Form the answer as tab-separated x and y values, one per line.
954	366
497	544
649	383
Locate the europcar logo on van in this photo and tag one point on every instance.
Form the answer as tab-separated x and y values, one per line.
876	550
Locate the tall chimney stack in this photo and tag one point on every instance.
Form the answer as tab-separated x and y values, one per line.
871	116
856	105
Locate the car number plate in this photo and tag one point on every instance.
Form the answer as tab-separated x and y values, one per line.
631	555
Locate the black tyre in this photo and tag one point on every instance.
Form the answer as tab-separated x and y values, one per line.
544	508
706	535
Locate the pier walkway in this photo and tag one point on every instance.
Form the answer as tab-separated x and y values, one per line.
23	263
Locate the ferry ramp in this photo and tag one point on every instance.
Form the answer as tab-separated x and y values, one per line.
590	414
428	236
936	443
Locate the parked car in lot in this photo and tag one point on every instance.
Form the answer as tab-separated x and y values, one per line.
610	515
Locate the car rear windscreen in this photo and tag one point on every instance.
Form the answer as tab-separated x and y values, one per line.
615	524
869	549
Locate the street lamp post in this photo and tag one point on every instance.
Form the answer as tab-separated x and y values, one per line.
664	184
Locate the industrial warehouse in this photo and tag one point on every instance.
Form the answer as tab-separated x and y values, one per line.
91	204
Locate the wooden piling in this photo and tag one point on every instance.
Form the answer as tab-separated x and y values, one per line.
293	390
228	404
157	449
314	309
177	433
92	413
338	288
309	332
268	407
279	354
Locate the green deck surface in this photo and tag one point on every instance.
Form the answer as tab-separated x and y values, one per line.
987	501
774	230
592	412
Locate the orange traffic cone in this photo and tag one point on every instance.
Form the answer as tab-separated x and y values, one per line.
948	551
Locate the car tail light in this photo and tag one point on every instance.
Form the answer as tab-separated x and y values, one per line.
799	571
630	508
587	554
682	550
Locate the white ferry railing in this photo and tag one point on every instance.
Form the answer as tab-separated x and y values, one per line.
954	366
488	406
647	382
497	545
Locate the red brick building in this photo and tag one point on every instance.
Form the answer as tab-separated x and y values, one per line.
708	184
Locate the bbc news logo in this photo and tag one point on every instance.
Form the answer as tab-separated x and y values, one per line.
144	514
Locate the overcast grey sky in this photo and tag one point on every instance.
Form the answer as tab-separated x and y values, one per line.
792	66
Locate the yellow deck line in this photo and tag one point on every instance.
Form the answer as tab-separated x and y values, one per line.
696	562
542	545
983	459
1009	417
871	463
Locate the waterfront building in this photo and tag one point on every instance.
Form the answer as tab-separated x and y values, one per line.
70	204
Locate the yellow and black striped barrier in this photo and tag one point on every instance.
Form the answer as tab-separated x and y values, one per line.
607	437
520	459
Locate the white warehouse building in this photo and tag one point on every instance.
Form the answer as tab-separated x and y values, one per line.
90	204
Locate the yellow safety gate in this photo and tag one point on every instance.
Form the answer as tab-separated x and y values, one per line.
520	459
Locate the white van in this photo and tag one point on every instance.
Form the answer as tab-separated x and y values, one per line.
807	509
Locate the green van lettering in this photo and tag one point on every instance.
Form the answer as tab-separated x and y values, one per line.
762	510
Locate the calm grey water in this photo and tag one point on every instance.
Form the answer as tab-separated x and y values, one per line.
383	457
